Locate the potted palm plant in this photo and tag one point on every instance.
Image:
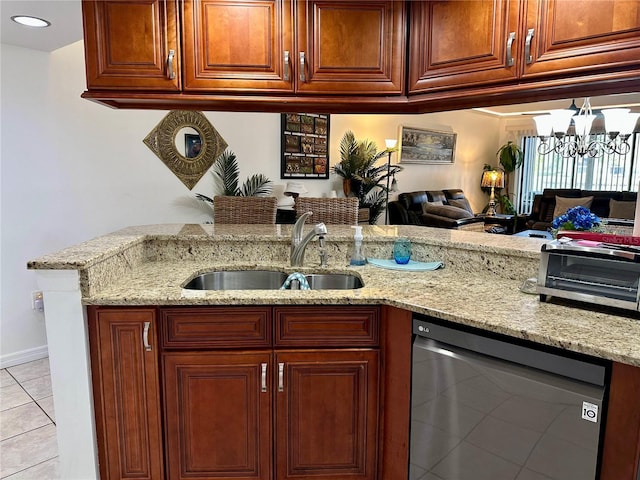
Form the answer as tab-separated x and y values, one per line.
226	174
361	177
510	157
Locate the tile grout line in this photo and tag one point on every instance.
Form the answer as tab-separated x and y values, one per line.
27	468
29	395
33	400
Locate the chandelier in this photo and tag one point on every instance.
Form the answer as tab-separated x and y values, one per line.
552	130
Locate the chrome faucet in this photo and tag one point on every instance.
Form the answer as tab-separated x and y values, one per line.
299	243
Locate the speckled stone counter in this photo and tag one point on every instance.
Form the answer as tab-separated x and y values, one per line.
479	285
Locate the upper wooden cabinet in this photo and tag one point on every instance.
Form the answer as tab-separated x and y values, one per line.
350	46
356	56
571	37
462	42
334	47
132	44
238	45
476	42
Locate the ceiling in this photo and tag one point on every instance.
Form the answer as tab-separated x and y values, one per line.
65	17
66	28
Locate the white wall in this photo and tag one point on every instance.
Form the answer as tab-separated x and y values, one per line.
72	170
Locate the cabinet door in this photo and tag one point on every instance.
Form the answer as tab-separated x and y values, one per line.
124	365
218	415
350	46
462	42
235	45
132	44
582	35
327	415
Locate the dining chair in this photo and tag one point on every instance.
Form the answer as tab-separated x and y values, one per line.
332	211
239	210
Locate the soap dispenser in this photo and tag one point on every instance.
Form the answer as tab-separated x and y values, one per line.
357	255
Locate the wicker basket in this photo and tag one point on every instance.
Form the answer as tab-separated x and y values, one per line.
240	210
332	211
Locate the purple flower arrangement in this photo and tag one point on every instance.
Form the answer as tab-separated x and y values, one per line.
577	218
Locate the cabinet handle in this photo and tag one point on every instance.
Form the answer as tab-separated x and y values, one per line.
527	46
145	336
172	74
303	77
286	65
264	378
281	377
512	37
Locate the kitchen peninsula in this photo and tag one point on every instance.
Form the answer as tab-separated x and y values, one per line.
144	268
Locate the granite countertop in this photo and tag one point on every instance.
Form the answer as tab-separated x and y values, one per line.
479	285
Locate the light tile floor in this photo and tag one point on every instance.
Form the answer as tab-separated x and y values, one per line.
28	446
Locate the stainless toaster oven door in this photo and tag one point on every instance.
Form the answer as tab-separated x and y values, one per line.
606	281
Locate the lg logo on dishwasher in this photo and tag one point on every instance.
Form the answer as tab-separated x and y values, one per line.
590	412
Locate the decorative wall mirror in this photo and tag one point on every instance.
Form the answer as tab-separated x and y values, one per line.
187	144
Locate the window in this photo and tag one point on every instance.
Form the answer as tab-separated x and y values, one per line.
609	172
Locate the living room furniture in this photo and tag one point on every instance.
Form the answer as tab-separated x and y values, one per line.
332	211
499	223
239	210
435	208
544	204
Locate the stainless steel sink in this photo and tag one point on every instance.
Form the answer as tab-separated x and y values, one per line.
269	280
333	281
238	280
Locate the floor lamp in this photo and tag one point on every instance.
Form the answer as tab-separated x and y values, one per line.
391	145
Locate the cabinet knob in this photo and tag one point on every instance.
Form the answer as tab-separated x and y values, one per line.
303	77
527	46
512	37
171	73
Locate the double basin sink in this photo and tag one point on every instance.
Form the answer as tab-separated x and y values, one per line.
269	280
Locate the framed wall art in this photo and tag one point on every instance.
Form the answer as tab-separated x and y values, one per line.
192	145
421	146
305	146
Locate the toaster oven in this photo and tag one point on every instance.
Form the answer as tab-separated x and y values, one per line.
604	274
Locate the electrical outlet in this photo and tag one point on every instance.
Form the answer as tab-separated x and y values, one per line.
37	301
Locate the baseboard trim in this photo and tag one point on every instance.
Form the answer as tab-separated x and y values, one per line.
23	356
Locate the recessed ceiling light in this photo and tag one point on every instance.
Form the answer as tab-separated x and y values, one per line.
30	21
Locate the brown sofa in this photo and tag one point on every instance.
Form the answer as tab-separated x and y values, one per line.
434	208
541	216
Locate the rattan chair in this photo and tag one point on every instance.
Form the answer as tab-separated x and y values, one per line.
244	210
332	211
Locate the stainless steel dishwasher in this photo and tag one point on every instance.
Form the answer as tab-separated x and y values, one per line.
487	409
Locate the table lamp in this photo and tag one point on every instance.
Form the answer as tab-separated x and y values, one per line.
493	179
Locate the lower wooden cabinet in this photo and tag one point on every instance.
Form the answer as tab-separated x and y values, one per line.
126	392
210	405
218	415
326	415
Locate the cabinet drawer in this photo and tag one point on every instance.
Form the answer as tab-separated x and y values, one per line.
321	326
224	327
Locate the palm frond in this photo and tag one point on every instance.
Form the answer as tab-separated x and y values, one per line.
375	200
204	198
257	185
351	161
226	173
